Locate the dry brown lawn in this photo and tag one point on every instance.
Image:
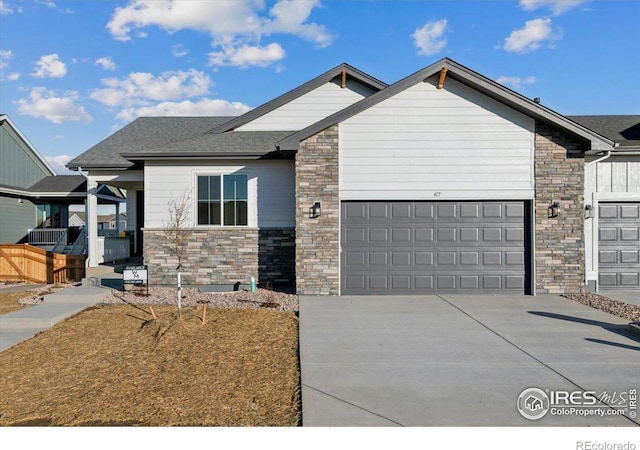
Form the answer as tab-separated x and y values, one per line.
113	365
9	301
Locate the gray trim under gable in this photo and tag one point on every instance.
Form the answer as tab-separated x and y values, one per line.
468	77
299	91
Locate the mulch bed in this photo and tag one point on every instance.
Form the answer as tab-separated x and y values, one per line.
113	365
624	310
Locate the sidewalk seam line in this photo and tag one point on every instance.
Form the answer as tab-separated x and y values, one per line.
351	404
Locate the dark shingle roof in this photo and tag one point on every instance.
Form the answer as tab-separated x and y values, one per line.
245	143
624	130
143	133
61	183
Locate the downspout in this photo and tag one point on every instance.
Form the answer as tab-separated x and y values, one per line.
595	161
608	155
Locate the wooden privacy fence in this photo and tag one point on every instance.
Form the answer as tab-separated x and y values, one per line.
24	262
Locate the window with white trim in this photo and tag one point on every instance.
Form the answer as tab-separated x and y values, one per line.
222	200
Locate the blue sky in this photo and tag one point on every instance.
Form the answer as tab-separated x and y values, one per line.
73	72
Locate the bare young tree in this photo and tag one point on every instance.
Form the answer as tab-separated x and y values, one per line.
178	231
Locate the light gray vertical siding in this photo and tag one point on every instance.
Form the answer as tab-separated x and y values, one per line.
616	179
310	107
18	167
422	143
616	174
15	219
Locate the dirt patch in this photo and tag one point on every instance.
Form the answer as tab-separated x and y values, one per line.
624	310
112	365
9	301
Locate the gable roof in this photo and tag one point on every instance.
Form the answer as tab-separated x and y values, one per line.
309	86
143	133
624	130
247	144
467	77
35	154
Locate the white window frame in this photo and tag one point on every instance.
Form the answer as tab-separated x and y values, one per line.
221	175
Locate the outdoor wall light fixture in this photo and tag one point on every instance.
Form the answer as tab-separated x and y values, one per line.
553	210
315	210
589	212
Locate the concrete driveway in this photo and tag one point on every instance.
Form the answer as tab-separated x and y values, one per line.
453	360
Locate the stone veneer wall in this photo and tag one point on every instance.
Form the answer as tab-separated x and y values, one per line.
277	256
224	256
317	240
559	176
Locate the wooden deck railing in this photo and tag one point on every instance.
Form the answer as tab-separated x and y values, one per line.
24	262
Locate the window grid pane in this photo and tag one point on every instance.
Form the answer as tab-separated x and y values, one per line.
222	200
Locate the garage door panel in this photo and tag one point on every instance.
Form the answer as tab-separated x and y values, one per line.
619	245
416	247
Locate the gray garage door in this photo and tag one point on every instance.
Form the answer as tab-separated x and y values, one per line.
619	246
431	247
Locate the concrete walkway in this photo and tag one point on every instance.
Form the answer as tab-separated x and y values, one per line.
21	325
454	360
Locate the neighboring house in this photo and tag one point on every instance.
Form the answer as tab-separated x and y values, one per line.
34	201
442	182
21	166
612	193
105	222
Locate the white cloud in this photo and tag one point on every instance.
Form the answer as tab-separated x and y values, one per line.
557	6
138	88
516	82
57	109
106	62
531	37
232	24
179	51
290	16
203	107
4	8
58	163
50	66
14	76
47	3
246	56
428	39
5	56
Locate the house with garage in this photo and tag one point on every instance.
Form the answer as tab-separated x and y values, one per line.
444	181
612	202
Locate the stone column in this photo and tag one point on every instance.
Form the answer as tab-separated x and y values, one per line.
559	177
317	239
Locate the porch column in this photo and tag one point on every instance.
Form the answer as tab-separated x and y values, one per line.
131	215
118	219
91	217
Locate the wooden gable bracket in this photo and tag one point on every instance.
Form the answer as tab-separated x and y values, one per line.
443	75
344	79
